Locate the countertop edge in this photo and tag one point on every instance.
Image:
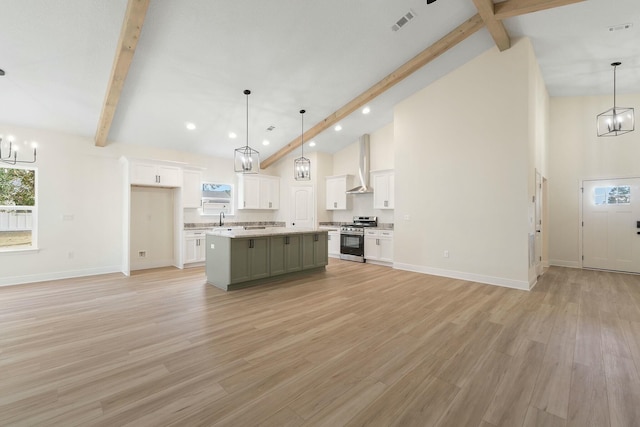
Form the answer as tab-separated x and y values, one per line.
239	234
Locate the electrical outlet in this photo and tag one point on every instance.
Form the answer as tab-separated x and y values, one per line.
213	246
142	254
445	254
407	217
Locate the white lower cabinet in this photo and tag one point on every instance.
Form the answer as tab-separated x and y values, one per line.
378	245
194	247
334	244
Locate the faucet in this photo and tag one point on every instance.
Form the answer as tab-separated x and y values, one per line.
221	216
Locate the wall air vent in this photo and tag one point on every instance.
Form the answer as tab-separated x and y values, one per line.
404	20
620	27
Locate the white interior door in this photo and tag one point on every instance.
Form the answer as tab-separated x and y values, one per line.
611	215
302	207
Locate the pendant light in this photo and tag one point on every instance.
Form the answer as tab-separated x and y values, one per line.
11	156
617	120
302	165
246	160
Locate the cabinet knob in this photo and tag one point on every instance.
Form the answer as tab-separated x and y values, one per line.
335	204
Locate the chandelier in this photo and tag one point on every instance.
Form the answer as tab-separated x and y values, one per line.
11	156
302	165
246	159
617	120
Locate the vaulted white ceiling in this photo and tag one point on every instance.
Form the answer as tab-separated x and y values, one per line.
195	58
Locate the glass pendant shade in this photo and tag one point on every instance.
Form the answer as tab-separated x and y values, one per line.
617	120
245	159
302	165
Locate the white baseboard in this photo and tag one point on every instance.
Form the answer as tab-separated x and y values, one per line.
565	263
152	263
42	277
489	280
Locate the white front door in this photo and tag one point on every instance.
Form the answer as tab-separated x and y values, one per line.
611	220
302	207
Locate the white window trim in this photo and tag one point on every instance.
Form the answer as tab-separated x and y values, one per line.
34	229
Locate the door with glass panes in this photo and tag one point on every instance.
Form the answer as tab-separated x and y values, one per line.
611	224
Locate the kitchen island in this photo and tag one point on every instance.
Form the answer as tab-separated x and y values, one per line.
240	258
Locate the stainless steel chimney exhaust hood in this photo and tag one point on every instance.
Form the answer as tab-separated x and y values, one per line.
363	167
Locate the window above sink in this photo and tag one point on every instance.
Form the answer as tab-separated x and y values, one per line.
217	198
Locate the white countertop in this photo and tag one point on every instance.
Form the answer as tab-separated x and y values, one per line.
269	231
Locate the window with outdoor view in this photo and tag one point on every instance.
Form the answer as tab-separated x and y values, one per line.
17	208
613	195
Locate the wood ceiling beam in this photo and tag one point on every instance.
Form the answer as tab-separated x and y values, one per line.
129	36
512	8
495	27
459	34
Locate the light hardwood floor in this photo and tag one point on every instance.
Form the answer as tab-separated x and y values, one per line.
355	345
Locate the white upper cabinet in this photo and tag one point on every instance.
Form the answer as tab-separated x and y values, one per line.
157	175
258	192
191	188
383	189
269	192
337	187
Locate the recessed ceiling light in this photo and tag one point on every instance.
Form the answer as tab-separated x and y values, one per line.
190	126
312	144
337	128
366	110
232	135
265	142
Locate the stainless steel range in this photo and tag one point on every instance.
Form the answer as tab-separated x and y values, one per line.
352	237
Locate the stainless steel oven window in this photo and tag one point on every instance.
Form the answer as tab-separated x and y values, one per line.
352	244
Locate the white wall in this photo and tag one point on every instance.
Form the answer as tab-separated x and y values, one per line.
462	167
575	154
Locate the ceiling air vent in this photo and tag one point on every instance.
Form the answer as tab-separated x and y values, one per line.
620	27
404	20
